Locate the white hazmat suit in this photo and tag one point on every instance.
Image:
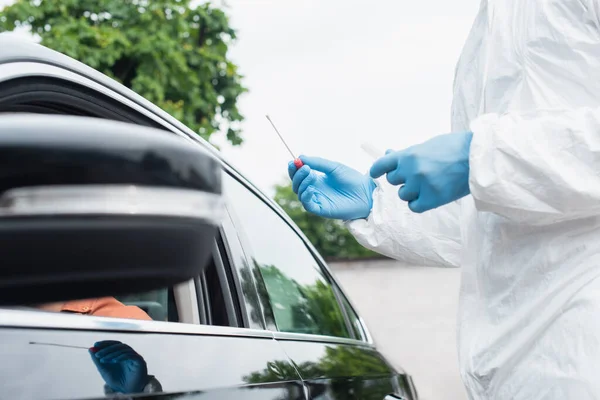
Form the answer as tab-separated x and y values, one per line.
528	237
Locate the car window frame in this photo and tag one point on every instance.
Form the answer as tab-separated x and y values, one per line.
70	71
324	271
221	264
338	291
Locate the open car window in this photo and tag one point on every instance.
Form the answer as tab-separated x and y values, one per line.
206	304
44	95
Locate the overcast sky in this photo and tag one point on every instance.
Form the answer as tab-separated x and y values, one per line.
335	73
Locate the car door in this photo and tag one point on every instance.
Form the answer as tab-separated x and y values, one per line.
46	355
204	349
190	361
302	304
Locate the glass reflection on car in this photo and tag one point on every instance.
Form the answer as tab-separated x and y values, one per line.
123	370
301	308
328	375
293	288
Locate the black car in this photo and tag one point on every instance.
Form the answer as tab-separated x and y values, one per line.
263	319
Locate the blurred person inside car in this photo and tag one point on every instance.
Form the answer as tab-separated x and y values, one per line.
99	307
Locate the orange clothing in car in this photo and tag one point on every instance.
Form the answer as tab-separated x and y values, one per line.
105	307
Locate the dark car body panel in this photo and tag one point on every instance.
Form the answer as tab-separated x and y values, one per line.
336	371
33	367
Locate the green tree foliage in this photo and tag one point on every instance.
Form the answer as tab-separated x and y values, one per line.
302	308
275	371
173	54
336	362
330	237
321	306
290	306
253	287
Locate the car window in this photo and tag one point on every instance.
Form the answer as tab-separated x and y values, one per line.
212	304
58	96
154	303
212	301
170	304
106	306
299	293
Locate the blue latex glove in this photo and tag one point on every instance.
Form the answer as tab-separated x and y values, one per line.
332	190
123	370
433	173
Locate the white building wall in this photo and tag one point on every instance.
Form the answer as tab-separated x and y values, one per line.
411	313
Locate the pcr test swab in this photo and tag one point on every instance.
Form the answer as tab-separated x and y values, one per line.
297	162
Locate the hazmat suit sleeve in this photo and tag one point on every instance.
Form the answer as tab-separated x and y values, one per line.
428	239
537	168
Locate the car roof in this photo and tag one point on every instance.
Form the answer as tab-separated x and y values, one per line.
15	49
19	49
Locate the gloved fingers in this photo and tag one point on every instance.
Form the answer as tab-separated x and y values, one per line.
116	354
306	184
396	177
385	164
292	169
111	349
306	196
409	191
302	173
418	206
388	151
320	164
132	356
95	359
105	343
307	201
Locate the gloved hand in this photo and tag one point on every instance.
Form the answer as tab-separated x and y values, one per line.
123	370
433	173
332	190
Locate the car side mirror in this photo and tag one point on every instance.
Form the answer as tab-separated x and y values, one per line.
92	207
